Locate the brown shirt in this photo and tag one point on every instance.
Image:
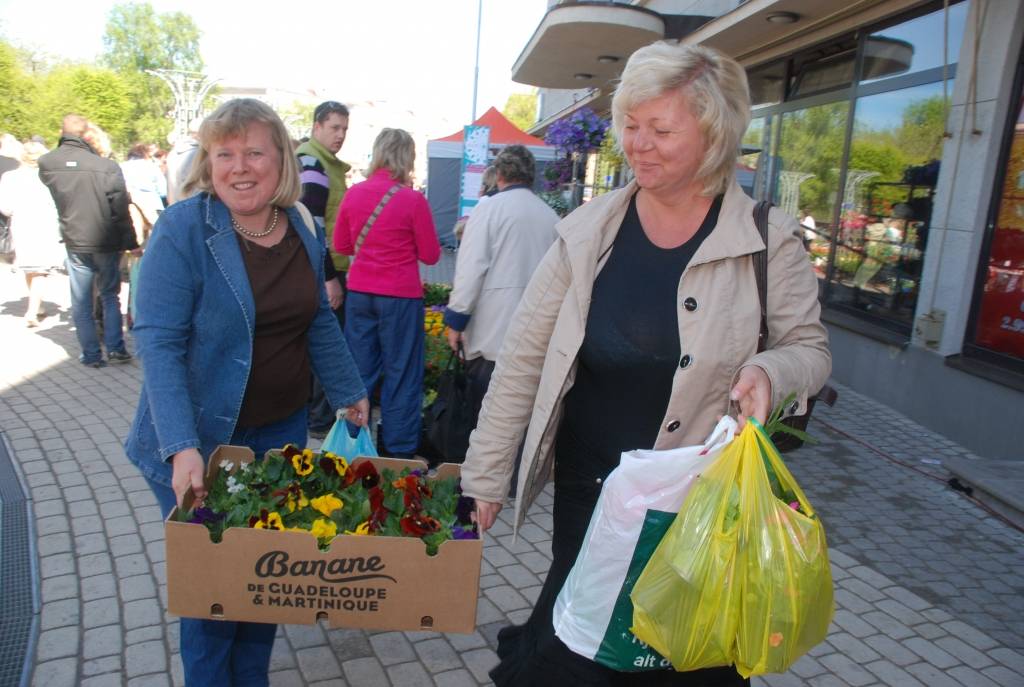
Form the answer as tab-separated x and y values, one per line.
285	292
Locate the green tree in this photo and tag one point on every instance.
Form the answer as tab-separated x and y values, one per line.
101	95
137	39
920	135
521	109
18	93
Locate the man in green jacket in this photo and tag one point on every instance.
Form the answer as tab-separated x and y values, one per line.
323	186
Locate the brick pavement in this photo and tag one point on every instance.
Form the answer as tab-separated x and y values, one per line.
929	587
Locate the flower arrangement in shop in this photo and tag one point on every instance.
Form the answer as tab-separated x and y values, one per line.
321	494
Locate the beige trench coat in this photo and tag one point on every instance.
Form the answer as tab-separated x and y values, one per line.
719	319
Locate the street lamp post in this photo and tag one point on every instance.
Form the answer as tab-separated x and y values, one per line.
189	88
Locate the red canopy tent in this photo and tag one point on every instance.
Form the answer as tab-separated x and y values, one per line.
445	163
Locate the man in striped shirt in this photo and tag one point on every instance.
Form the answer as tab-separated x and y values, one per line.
323	187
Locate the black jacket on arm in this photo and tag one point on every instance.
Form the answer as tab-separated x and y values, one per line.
91	198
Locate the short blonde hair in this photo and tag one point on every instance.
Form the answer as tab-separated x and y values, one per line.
31	152
715	88
395	151
98	139
232	119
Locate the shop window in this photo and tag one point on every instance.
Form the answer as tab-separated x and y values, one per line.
999	319
914	45
892	168
806	174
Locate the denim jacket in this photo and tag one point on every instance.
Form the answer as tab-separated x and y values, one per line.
194	335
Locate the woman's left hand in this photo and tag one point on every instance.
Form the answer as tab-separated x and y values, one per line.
359	412
753	394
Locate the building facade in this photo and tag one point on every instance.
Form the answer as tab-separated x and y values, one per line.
894	131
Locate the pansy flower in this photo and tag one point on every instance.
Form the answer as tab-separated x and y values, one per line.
290	451
459	532
303	463
266	521
364	471
333	464
327	504
419	525
361	529
324	529
291	497
204	516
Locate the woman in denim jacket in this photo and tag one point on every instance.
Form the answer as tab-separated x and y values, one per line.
232	315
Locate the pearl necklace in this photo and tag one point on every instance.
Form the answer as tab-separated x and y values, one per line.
256	234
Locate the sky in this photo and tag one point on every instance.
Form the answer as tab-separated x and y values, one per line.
415	56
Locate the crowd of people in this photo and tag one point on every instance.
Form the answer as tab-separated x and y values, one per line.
270	297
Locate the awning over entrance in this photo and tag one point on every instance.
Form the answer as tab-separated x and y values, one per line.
583	45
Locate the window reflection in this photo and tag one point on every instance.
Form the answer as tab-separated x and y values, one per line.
809	152
913	45
748	171
887	202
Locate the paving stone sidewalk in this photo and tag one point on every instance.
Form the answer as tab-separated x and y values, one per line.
929	586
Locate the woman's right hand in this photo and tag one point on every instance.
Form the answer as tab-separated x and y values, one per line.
485	514
189	470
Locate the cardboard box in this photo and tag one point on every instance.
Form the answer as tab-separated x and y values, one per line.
374	582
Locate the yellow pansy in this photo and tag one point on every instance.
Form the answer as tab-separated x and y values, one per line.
361	529
273	522
303	463
324	529
327	504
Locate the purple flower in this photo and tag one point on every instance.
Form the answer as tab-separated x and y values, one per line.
464	533
464	509
203	516
581	132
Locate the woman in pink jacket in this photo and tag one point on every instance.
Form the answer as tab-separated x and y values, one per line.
388	229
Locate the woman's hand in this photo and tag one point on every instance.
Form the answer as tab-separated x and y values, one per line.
454	339
753	394
335	296
485	514
189	470
359	412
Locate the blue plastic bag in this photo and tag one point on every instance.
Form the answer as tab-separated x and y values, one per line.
341	442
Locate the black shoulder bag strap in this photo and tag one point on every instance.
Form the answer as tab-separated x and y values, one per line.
827	394
761	270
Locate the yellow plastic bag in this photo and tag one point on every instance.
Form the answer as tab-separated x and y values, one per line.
742	577
786	603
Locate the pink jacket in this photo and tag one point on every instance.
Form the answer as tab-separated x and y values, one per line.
402	236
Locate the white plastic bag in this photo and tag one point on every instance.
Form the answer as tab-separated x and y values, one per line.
638	502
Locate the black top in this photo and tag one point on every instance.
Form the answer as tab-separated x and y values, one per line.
286	296
630	350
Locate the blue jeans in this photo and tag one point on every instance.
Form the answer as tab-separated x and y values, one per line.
385	336
104	269
221	653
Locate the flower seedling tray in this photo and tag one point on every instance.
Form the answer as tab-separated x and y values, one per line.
372	582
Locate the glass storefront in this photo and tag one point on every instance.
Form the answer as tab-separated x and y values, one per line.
999	313
862	189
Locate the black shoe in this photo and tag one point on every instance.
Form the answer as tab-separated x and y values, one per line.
97	364
119	357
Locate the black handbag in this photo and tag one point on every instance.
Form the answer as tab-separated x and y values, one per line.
783	440
450	419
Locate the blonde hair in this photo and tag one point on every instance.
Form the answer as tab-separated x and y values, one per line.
97	139
31	152
395	151
715	88
230	120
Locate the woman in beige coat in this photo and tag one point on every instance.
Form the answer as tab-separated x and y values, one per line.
639	329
